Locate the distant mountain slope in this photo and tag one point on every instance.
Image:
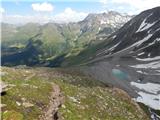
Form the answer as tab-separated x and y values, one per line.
12	34
59	39
139	37
102	24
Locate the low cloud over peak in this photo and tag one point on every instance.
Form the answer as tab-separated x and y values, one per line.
69	15
2	10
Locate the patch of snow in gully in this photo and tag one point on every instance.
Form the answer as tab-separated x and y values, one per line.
148	87
141	53
153	65
149	94
150	100
149	59
144	25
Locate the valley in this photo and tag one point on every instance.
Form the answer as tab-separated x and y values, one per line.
53	40
105	67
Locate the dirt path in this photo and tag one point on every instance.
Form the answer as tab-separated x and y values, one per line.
56	100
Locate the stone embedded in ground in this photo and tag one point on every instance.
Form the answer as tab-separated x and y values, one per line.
2	105
27	104
63	106
18	103
3	87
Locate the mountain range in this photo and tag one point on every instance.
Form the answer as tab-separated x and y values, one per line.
58	39
119	50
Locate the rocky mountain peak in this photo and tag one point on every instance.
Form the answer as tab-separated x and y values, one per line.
111	18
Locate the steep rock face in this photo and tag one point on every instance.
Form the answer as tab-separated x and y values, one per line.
103	24
111	18
140	36
130	58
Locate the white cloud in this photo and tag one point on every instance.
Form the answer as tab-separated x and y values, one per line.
103	1
138	5
46	7
2	10
129	6
20	19
69	15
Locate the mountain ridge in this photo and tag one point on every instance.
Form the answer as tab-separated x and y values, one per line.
59	39
130	58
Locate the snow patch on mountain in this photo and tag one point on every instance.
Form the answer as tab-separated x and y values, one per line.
149	94
114	36
149	59
141	53
112	48
153	65
138	43
143	40
102	22
148	87
142	72
149	99
144	25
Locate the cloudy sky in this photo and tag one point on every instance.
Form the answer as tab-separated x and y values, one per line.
42	11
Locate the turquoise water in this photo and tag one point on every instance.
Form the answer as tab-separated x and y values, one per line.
119	74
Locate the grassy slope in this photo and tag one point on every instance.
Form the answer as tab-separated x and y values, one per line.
18	35
57	39
87	54
85	98
33	89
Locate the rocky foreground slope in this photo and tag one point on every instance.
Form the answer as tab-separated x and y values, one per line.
50	94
